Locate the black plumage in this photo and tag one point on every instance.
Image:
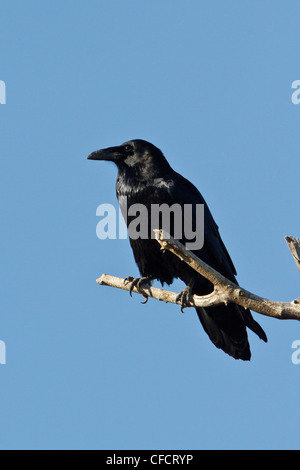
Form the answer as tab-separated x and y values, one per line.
145	177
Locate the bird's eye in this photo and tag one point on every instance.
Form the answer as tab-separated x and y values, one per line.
128	149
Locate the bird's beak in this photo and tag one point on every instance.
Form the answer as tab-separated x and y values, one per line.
112	154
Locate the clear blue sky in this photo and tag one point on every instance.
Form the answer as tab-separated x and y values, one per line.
209	82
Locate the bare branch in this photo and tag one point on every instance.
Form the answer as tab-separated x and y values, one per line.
224	291
230	291
160	294
294	246
167	242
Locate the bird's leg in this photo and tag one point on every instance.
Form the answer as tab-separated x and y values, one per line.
138	282
185	296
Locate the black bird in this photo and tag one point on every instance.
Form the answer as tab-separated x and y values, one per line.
145	177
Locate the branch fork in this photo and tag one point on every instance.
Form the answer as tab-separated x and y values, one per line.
224	291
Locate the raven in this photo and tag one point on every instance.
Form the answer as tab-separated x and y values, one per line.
145	177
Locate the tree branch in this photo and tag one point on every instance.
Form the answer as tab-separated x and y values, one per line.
161	294
294	246
224	291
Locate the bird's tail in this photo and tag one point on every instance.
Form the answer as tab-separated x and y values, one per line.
226	327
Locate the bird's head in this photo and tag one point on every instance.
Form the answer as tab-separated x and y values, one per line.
137	156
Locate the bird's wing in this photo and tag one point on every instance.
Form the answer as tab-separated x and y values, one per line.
214	251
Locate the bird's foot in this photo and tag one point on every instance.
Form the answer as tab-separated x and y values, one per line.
139	283
185	297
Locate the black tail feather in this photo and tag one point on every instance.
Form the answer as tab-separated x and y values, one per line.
226	327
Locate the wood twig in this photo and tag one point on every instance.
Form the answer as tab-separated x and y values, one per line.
294	246
225	291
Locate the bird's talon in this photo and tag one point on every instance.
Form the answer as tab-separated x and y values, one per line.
128	279
138	283
131	289
185	297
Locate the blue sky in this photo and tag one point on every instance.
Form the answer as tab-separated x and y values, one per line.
208	82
